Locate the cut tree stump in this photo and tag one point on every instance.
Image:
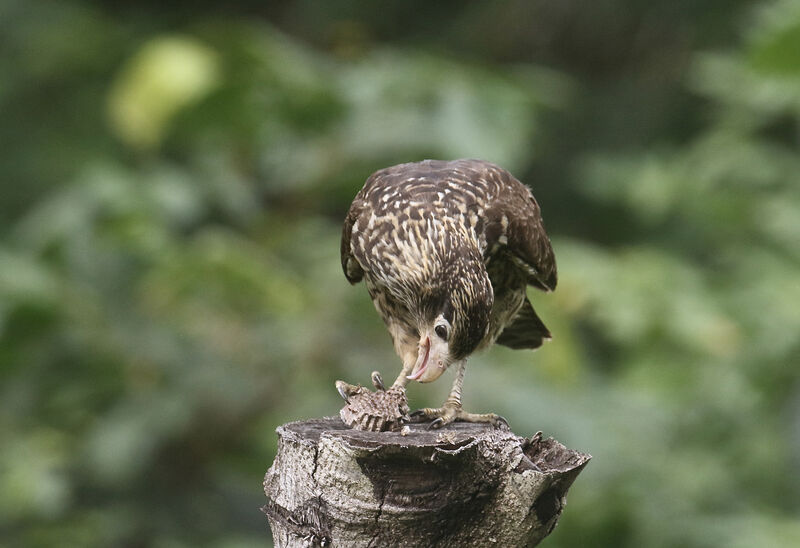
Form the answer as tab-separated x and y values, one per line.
463	485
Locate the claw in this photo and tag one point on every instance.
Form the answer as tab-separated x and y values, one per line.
377	381
501	421
346	390
417	416
436	424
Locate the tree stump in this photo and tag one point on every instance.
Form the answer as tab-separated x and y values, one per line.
463	485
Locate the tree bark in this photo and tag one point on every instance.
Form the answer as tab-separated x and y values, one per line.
464	485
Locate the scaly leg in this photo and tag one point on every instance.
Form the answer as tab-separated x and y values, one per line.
451	410
409	355
402	378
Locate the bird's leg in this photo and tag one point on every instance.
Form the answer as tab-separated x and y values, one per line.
451	410
407	347
402	378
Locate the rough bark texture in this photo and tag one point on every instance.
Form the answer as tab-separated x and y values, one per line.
463	485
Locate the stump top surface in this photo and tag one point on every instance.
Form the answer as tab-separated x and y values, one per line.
418	434
544	454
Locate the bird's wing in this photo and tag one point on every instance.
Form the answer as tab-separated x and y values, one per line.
352	269
514	222
526	331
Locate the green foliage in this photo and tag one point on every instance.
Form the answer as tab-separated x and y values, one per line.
170	288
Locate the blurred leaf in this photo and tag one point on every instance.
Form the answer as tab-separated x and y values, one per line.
452	111
775	48
780	53
32	477
166	75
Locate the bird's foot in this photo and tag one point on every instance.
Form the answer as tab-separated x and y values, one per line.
450	413
376	411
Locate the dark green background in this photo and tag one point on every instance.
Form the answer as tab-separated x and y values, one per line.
174	176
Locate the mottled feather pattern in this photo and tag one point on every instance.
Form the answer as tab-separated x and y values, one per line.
435	234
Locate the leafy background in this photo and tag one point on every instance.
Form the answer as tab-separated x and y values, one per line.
174	176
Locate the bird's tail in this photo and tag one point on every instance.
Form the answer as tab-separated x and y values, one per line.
526	331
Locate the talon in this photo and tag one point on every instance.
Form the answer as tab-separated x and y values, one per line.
436	424
342	393
377	381
417	413
502	422
346	390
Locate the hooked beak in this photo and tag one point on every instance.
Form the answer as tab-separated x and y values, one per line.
431	361
422	360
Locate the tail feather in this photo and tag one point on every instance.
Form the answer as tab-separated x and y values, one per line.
526	331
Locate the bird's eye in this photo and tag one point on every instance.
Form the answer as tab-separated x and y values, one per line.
441	330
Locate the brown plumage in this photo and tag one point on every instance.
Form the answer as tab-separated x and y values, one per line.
447	250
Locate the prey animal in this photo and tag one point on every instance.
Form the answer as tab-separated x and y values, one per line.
447	251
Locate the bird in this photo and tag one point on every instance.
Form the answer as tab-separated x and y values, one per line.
447	250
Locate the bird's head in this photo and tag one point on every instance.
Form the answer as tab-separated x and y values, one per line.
454	322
